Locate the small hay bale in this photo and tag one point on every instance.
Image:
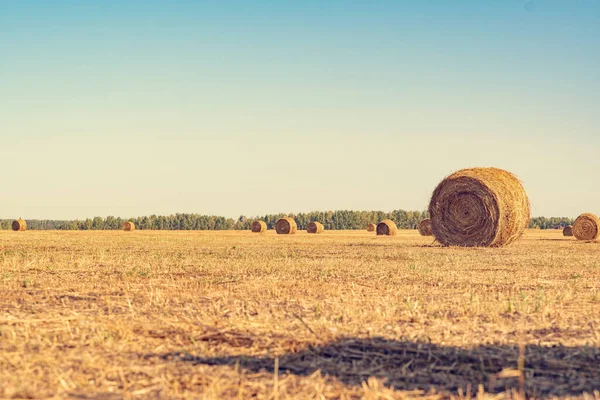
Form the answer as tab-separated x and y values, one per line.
387	227
315	227
286	226
258	226
128	226
485	207
568	231
19	225
586	227
371	227
425	227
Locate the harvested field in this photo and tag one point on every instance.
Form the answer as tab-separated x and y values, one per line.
106	315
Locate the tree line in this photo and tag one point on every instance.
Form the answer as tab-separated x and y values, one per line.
332	220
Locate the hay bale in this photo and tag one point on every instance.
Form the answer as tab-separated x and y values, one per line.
586	227
286	226
371	227
128	226
315	227
258	226
479	207
387	227
568	231
19	225
425	227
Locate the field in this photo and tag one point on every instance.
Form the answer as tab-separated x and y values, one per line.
103	315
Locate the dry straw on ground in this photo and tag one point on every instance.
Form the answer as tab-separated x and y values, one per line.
371	227
286	226
315	227
424	227
568	231
214	314
586	227
387	227
258	227
19	225
129	226
479	207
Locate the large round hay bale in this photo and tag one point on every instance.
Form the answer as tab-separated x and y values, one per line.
425	227
315	227
568	231
19	225
479	207
258	226
586	227
129	226
387	227
371	227
286	226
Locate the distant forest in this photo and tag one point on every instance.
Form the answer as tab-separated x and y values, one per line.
332	220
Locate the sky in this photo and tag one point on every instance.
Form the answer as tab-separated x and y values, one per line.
131	108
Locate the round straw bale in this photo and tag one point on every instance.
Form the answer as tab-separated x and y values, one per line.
479	207
387	227
315	227
19	225
586	227
129	226
568	231
425	227
259	226
286	226
371	227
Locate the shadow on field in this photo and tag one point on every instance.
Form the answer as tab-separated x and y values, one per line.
549	371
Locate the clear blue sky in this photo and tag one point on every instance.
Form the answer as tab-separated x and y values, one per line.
132	108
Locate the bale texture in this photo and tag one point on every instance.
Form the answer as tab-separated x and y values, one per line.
286	226
19	225
315	227
129	226
371	227
479	207
387	227
586	227
258	226
568	231
425	227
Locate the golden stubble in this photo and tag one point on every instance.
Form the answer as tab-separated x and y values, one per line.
338	315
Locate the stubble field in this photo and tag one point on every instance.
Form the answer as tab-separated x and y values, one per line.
103	315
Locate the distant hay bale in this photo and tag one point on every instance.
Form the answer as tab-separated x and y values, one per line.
315	227
286	226
479	207
128	226
387	227
19	225
568	231
586	227
425	227
371	227
258	226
